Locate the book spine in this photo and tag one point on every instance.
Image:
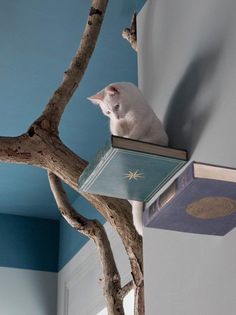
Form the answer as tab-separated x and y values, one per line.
98	159
169	195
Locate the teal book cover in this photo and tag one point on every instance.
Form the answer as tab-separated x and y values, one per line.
131	169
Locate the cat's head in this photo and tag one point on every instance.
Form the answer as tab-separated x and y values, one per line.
111	101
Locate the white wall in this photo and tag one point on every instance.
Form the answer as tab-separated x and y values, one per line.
27	292
189	274
79	289
186	70
187	52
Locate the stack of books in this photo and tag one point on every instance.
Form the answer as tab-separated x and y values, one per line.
201	200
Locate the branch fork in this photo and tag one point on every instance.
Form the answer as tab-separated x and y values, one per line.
41	146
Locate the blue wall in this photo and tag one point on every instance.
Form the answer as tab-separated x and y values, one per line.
28	243
46	36
38	39
139	4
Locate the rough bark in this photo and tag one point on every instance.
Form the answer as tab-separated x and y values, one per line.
95	231
130	33
126	289
41	146
72	77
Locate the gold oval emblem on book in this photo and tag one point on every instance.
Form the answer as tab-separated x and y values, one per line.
211	207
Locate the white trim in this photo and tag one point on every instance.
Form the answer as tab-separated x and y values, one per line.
78	281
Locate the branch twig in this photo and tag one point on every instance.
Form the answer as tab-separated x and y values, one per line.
42	147
130	34
51	116
126	289
95	231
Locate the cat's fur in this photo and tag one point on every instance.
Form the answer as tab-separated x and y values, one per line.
130	117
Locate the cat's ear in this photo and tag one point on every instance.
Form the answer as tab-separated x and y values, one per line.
97	98
112	90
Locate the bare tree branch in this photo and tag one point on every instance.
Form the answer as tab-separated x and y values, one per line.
41	146
130	34
126	289
95	231
51	116
15	149
46	150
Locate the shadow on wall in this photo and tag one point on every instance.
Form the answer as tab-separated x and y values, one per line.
193	101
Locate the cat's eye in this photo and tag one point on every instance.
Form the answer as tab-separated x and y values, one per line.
117	106
108	112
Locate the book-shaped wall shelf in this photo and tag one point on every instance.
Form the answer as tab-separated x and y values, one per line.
131	169
201	200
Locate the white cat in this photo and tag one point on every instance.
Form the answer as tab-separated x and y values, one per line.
130	117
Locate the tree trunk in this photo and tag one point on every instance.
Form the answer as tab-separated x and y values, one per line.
41	146
95	231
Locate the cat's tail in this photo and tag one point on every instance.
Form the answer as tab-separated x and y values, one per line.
137	211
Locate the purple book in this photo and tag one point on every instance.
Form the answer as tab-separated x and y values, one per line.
201	200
